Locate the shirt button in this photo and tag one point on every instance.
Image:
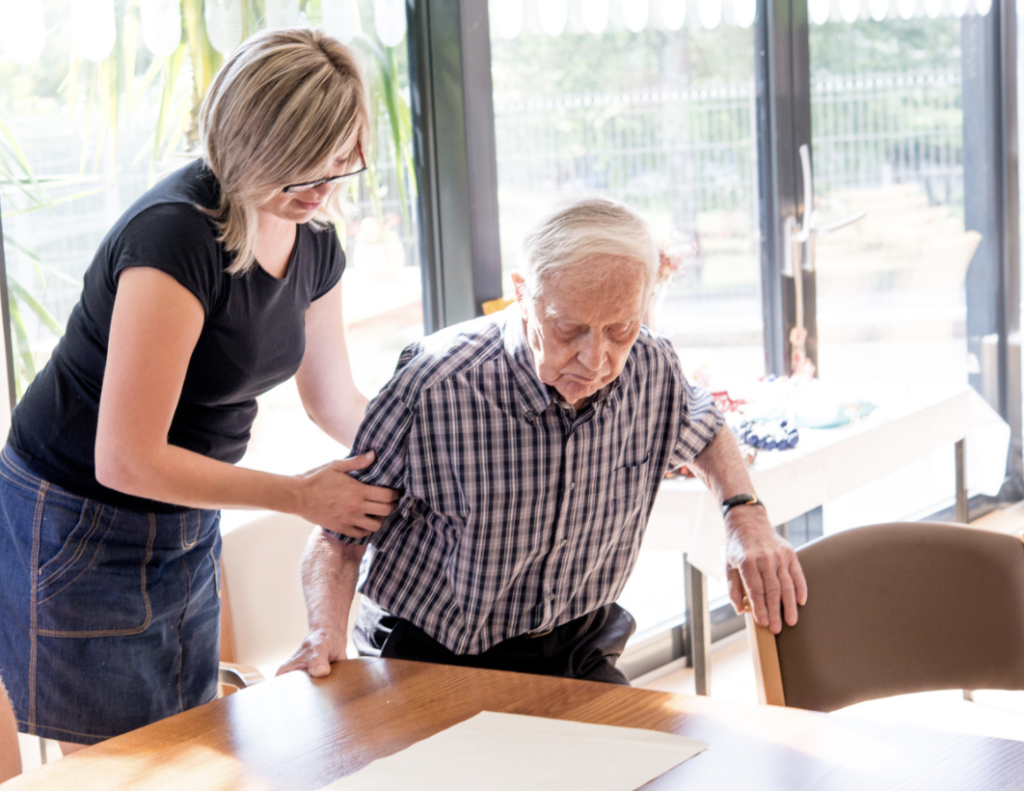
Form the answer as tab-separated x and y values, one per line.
572	484
562	543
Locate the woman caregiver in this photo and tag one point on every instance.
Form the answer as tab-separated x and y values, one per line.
220	282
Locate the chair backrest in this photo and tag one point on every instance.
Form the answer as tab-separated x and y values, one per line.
265	611
899	608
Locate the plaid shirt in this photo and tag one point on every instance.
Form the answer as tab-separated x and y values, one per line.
519	513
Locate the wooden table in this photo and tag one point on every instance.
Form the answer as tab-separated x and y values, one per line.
296	733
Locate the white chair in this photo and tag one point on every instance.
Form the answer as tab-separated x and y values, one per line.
263	615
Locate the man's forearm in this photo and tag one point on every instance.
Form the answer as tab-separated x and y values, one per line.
759	562
722	468
330	571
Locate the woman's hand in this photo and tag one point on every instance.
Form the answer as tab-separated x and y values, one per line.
333	499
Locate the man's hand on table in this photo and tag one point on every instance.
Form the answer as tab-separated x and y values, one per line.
763	564
320	648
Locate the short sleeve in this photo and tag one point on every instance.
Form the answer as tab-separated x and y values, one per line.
698	425
385	430
177	239
331	262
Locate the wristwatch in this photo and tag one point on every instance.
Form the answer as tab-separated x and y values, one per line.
740	499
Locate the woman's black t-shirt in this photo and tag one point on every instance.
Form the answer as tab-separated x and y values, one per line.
253	337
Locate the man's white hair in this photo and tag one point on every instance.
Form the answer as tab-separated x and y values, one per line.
582	232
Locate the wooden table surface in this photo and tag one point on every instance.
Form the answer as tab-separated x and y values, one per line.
296	733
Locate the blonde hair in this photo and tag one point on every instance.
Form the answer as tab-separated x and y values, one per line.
276	113
582	232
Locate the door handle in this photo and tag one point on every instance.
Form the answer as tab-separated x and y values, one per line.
798	233
794	236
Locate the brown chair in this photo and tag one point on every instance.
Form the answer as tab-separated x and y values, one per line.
898	608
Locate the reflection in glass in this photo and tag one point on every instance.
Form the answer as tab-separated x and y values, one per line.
22	30
93	25
710	13
819	10
282	13
339	19
389	21
223	24
879	9
744	12
161	25
595	15
673	14
635	13
554	14
507	17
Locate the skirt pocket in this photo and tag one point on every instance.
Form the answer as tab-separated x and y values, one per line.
94	582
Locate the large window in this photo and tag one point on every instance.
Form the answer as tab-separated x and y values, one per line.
683	110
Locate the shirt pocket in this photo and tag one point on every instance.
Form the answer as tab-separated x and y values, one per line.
629	495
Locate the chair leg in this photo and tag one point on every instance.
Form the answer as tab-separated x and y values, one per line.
969	695
42	751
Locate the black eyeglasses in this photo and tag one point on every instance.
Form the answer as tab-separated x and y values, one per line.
310	185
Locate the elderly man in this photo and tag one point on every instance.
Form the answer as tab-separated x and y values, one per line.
529	448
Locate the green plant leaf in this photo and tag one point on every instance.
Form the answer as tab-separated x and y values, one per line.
25	368
39	263
166	115
19	292
15	167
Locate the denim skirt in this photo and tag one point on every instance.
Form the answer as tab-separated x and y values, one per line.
109	618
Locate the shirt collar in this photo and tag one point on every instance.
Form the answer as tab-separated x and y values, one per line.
533	391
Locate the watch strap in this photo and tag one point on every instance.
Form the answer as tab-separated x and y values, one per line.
740	499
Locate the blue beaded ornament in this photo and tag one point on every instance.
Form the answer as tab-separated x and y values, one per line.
773	435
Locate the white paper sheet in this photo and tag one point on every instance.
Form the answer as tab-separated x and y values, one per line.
512	751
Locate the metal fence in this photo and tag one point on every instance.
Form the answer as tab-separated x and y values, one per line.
685	151
694	152
871	131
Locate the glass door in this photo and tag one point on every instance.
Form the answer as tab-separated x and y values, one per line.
887	111
904	112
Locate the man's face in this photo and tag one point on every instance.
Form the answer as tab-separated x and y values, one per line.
583	325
